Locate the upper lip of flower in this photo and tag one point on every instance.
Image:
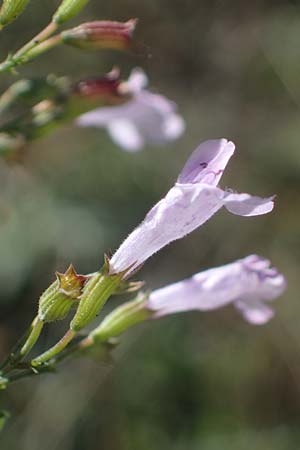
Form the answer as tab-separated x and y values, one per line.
193	199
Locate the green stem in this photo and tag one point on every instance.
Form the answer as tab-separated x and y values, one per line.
35	51
39	49
40	37
37	327
29	373
57	348
14	355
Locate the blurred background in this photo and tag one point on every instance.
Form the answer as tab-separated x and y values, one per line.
204	381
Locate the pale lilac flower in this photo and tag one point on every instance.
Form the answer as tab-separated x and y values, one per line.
193	199
247	283
146	118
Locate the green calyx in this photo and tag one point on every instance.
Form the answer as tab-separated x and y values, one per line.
67	10
53	304
95	294
122	318
10	10
61	295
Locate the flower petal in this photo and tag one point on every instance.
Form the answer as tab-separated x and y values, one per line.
173	126
145	118
246	283
247	205
137	80
125	134
184	209
207	162
255	312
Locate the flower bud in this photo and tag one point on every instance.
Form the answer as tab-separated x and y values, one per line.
101	34
106	85
57	300
96	92
10	10
122	318
67	10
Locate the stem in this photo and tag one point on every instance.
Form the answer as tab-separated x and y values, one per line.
38	49
28	373
15	352
40	37
57	348
37	327
30	54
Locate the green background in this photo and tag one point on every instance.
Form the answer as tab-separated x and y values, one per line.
205	381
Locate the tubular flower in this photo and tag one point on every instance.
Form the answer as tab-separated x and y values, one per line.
145	118
193	199
247	283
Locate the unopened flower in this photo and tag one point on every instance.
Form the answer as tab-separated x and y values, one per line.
107	89
101	34
145	118
193	199
247	283
250	284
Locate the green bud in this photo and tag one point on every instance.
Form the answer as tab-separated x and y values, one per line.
10	10
120	319
61	295
68	9
95	294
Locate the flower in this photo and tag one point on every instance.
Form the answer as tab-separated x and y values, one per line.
193	199
247	283
145	118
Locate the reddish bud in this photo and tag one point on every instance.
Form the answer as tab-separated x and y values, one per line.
109	88
101	34
71	283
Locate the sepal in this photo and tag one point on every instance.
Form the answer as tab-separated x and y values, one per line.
10	10
122	318
67	10
71	283
62	294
